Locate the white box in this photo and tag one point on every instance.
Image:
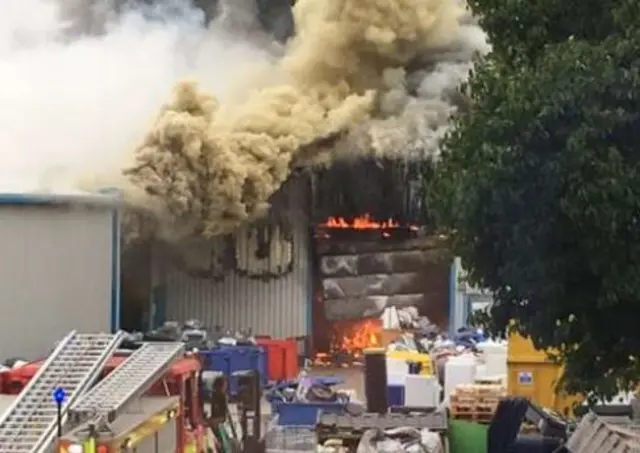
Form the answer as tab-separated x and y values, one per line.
421	391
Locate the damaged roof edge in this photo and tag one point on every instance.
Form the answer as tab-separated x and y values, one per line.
107	197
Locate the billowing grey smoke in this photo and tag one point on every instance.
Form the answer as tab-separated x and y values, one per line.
378	76
381	75
81	81
415	108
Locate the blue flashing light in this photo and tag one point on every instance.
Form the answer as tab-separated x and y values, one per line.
59	395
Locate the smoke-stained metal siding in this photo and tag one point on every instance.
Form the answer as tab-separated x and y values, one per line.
58	270
277	307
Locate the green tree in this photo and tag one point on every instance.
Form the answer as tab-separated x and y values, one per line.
540	181
521	30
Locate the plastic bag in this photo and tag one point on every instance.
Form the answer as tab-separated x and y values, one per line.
367	442
390	319
431	441
389	446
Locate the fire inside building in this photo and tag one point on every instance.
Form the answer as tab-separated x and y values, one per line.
372	251
338	247
365	266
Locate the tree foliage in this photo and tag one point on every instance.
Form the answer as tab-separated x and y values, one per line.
521	30
541	181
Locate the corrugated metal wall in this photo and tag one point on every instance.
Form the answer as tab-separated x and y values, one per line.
279	307
55	275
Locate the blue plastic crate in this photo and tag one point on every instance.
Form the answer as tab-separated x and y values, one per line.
229	359
395	395
304	414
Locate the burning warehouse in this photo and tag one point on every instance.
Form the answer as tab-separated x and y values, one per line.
338	247
295	209
372	252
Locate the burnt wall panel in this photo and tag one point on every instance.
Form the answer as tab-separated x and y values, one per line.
384	262
363	307
384	188
394	262
374	284
348	242
358	281
271	306
339	266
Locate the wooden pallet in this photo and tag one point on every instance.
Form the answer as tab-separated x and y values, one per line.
480	390
473	408
478	417
465	400
480	401
493	380
475	403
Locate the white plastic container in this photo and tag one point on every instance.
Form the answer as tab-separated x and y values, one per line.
494	354
390	319
481	371
421	391
396	379
459	370
397	366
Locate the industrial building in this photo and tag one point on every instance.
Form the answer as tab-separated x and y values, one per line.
333	275
59	270
62	269
270	293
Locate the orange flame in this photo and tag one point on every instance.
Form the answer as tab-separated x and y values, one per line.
363	222
355	337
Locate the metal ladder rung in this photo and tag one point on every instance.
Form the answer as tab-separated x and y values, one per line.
130	380
29	424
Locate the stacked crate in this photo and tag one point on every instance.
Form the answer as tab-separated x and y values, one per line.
476	402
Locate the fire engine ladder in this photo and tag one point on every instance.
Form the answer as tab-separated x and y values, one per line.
29	424
127	383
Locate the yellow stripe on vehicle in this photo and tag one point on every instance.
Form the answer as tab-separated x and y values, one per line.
149	428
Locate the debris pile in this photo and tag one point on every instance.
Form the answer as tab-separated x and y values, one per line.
406	318
195	334
400	440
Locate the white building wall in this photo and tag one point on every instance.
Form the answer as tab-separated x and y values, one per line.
58	272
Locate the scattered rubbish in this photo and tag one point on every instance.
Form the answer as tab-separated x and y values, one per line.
407	318
399	440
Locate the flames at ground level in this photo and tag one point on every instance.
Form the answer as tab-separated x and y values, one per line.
348	341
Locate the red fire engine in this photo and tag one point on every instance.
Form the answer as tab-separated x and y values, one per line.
145	401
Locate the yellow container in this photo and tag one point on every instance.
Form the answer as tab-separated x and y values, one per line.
422	359
531	374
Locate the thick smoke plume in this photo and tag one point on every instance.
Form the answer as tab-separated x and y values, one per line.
360	77
81	80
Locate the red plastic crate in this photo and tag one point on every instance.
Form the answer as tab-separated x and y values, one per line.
18	378
282	358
